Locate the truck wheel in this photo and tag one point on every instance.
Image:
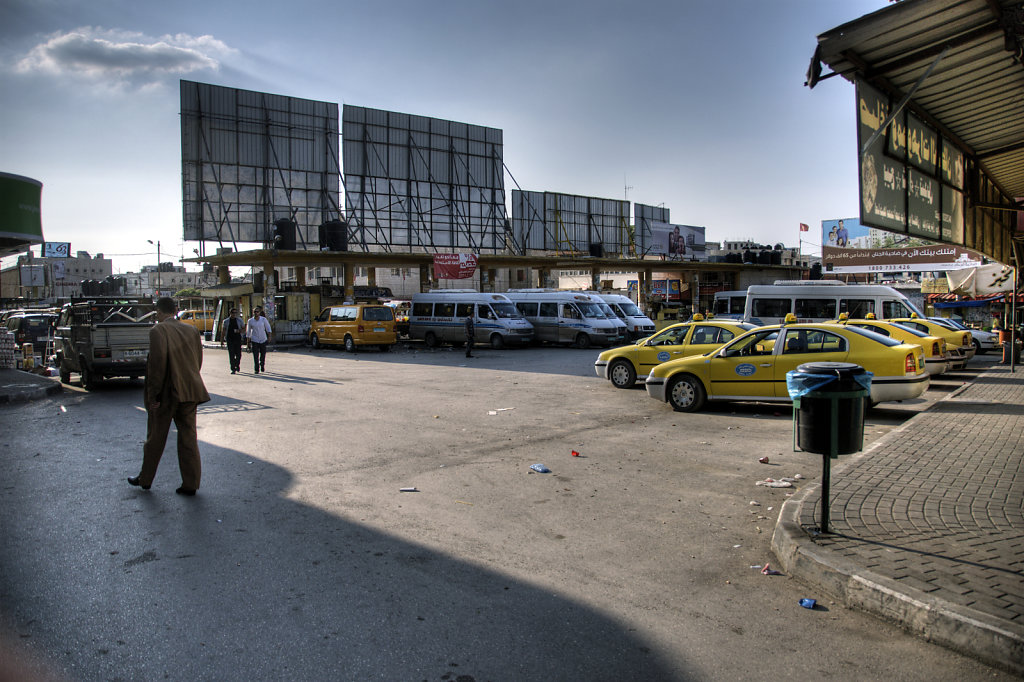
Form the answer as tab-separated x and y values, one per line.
314	341
582	341
622	374
686	393
497	341
89	379
65	372
430	339
350	344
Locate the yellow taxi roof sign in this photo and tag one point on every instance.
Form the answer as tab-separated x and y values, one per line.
697	317
843	317
869	316
790	318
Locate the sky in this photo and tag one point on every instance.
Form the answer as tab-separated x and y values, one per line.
697	105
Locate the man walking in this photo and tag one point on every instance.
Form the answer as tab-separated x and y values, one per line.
173	390
259	332
233	332
469	333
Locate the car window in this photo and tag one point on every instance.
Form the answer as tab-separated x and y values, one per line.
895	309
337	314
422	309
670	337
878	330
707	334
464	310
770	307
378	314
815	308
549	310
867	333
444	309
856	308
527	309
569	311
755	343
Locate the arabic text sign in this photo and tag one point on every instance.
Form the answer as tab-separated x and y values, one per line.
919	259
454	265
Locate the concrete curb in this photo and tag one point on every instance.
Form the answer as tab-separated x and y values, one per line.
956	627
40	388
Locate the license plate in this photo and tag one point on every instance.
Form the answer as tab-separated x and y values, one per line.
135	353
379	329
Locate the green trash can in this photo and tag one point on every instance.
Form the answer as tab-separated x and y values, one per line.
828	401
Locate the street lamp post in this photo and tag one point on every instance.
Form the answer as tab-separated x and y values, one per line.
157	265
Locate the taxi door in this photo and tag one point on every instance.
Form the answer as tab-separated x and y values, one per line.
797	346
668	344
745	368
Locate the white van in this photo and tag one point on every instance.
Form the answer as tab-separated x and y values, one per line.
638	325
823	301
621	331
730	304
564	317
440	316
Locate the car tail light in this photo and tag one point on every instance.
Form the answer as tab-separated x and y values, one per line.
910	367
101	353
935	350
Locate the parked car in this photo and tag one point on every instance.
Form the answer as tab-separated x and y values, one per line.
754	366
936	357
34	328
624	365
983	341
354	325
960	344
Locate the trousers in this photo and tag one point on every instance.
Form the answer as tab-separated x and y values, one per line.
158	424
235	355
259	354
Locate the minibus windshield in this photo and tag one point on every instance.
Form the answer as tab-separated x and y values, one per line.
590	310
506	310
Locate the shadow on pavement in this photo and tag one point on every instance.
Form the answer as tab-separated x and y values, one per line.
111	582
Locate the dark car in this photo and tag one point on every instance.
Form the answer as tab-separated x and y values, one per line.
34	328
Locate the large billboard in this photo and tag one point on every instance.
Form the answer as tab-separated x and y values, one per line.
934	258
251	158
911	176
20	222
678	242
414	183
568	223
644	216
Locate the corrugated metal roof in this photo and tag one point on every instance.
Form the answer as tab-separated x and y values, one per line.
975	93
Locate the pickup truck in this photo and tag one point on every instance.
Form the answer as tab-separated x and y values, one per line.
102	337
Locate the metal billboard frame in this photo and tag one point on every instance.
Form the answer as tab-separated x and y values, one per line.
250	158
643	216
414	183
570	223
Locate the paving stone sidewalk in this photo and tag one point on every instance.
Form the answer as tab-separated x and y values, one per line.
928	524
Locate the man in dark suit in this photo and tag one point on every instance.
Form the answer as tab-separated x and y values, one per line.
174	389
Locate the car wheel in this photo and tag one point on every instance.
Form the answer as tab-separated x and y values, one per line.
314	341
65	372
977	347
582	341
497	341
686	393
430	339
622	374
350	344
89	380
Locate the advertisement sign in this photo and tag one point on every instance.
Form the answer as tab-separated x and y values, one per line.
845	233
20	223
986	279
33	275
454	265
56	249
914	259
683	242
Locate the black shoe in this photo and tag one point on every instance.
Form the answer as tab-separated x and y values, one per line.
134	480
185	491
232	371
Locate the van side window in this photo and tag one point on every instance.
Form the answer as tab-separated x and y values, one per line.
374	314
444	309
770	307
463	310
816	308
422	309
485	312
569	311
337	314
856	308
549	310
351	314
894	309
527	309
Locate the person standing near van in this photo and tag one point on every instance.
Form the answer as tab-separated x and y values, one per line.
232	331
259	332
469	333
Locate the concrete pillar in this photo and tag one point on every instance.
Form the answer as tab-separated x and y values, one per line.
595	278
350	282
300	275
371	277
223	274
425	278
544	277
269	292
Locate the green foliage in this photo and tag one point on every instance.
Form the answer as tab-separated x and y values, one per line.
191	292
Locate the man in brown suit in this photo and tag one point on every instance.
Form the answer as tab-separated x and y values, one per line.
173	390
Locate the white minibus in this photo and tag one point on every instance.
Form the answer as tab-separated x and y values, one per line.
564	317
823	301
637	324
440	316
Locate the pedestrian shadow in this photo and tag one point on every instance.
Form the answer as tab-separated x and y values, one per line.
243	582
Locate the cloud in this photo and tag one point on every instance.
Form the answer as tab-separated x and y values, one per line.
121	58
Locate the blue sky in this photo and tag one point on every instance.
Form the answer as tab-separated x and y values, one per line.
697	105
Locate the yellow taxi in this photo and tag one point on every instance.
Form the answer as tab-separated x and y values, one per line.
960	344
354	325
624	365
203	320
754	366
936	358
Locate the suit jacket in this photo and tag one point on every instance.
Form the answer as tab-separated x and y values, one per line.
175	358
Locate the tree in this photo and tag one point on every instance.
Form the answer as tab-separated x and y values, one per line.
191	292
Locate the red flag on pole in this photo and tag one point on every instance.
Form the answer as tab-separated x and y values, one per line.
804	227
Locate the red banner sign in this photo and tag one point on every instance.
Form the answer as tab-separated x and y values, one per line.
454	265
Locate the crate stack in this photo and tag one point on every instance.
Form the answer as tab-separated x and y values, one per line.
6	349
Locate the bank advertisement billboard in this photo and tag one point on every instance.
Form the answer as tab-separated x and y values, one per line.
678	242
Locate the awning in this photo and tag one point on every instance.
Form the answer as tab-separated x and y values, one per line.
227	290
